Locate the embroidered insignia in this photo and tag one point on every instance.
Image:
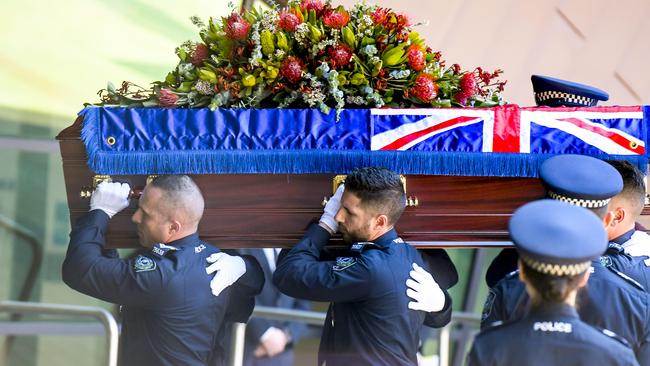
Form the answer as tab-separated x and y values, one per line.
199	249
343	263
144	264
487	307
161	249
606	261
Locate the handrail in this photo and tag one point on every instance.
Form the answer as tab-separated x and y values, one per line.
20	307
34	268
318	318
444	339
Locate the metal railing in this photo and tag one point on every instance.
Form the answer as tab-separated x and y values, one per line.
318	318
106	318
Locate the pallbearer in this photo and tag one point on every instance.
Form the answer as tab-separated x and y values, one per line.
556	243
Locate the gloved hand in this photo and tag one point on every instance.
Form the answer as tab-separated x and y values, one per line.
228	267
110	197
331	208
422	288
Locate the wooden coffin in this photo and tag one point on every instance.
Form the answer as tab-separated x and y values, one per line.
273	210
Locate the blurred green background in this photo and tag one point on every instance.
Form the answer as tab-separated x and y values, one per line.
54	56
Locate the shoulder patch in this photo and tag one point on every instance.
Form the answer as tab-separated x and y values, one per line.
615	336
344	263
605	261
361	246
487	307
143	264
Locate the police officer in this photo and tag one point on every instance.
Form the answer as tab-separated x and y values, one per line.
556	242
614	300
370	320
549	92
170	315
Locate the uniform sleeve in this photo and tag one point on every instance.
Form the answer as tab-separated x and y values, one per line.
473	358
108	278
244	290
440	318
299	273
643	351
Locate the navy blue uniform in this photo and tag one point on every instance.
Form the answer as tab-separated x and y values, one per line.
609	301
549	335
170	316
368	321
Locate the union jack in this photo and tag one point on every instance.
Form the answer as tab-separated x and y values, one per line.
593	130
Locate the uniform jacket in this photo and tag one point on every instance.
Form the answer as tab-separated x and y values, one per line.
170	316
609	301
551	334
368	321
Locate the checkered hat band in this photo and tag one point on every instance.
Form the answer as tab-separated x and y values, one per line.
557	269
571	98
579	202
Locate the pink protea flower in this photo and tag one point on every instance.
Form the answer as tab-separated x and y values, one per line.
291	69
288	21
315	5
167	98
336	18
416	58
200	53
236	27
468	88
424	88
379	15
340	55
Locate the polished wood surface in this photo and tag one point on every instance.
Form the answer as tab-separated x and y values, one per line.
265	210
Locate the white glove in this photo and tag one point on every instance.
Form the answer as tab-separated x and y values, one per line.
228	267
110	197
424	290
331	208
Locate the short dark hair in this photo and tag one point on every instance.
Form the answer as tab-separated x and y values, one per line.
379	189
549	287
633	183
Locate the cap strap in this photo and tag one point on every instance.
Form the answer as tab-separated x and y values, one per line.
557	269
579	202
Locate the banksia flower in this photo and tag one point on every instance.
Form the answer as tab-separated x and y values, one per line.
336	18
200	53
467	88
236	27
340	55
416	58
291	69
288	21
167	98
424	88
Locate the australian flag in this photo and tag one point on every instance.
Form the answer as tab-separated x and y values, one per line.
591	131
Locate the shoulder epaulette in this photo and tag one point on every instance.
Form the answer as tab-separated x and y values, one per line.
495	325
512	274
160	250
614	336
359	247
627	278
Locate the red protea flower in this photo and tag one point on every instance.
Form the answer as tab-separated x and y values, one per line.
288	21
379	15
416	57
291	69
315	5
167	98
200	53
340	55
236	27
467	88
336	18
424	88
403	21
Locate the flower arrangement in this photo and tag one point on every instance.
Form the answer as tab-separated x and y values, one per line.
313	55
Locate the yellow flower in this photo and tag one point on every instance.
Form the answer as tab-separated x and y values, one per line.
248	80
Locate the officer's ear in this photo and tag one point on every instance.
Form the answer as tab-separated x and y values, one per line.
175	227
381	221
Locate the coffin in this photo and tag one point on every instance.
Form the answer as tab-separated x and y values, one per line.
273	209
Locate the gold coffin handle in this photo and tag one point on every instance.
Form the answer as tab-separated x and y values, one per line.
340	179
87	191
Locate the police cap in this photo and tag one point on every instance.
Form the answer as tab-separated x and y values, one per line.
557	238
554	92
580	180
